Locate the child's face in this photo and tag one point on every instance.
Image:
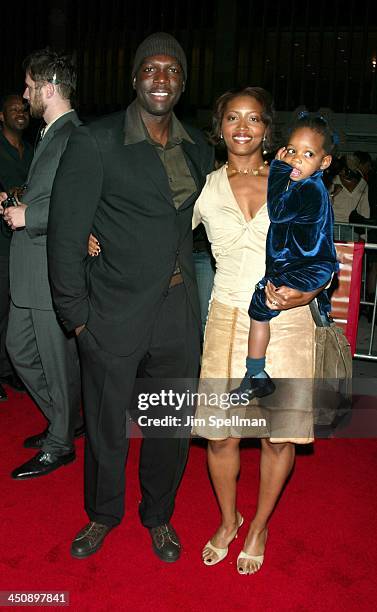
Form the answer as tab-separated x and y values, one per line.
305	153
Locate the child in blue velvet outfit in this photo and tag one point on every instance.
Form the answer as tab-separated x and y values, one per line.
300	251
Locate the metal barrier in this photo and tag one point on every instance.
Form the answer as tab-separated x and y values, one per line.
368	233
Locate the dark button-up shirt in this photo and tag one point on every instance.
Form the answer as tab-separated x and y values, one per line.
13	173
181	183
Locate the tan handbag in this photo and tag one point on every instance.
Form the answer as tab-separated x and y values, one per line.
333	377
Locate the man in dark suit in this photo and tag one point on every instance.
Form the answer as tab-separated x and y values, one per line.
133	179
15	159
44	356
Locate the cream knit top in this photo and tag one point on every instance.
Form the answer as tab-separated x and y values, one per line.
238	246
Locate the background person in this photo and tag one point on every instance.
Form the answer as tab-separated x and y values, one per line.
349	191
204	271
15	159
369	173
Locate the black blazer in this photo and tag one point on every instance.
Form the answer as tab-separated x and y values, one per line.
120	193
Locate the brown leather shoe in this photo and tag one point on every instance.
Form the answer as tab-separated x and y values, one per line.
165	543
89	540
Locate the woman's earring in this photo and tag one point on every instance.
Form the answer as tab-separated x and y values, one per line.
221	136
264	151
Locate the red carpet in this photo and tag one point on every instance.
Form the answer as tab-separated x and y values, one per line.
321	553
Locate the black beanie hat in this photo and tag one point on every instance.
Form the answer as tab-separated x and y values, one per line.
160	43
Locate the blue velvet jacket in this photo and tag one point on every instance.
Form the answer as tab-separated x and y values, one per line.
300	249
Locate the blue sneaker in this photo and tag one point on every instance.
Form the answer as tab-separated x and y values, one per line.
251	387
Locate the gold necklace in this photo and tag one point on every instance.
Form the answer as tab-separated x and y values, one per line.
253	171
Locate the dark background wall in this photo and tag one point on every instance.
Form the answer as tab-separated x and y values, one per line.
322	54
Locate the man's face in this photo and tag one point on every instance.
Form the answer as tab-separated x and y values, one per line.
34	95
159	84
15	114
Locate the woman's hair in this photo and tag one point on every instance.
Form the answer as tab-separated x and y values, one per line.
260	94
363	156
318	124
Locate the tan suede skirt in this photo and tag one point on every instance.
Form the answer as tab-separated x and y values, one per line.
287	414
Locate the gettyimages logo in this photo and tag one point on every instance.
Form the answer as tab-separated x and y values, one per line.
178	400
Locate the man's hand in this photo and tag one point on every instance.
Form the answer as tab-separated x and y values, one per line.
79	329
14	216
3	196
284	298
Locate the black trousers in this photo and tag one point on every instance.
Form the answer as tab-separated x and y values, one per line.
171	350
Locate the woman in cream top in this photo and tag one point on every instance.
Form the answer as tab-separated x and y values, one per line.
238	245
232	207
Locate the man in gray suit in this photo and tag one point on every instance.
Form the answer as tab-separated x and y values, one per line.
44	356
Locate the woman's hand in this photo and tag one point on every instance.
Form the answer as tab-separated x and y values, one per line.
337	189
79	329
94	248
284	298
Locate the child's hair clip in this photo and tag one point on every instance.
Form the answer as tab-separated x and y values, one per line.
322	118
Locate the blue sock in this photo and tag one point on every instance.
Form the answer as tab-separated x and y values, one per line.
255	366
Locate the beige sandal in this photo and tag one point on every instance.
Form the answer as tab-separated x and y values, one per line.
258	560
221	553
